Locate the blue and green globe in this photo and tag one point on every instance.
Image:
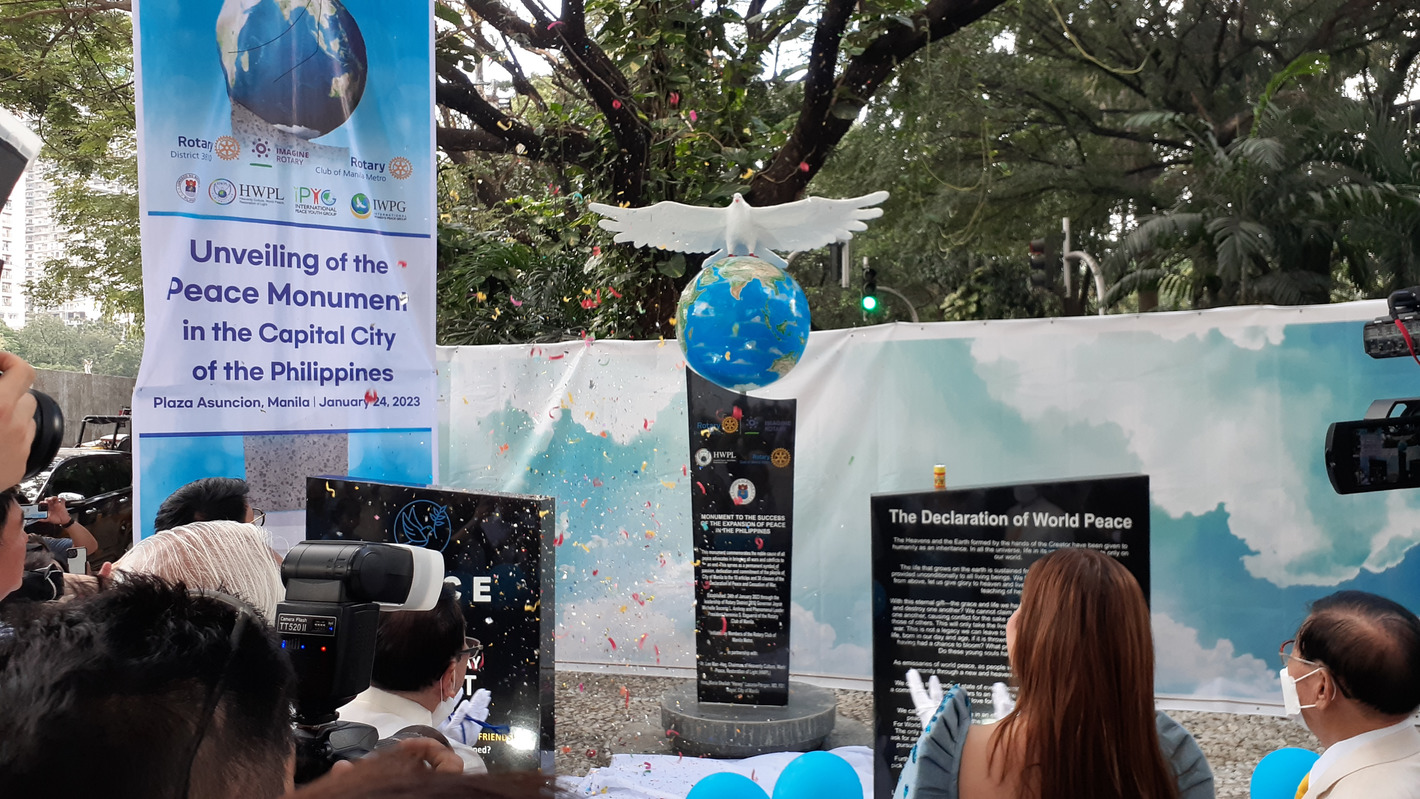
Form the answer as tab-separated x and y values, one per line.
743	323
296	64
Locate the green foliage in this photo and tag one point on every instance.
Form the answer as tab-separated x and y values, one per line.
48	343
69	70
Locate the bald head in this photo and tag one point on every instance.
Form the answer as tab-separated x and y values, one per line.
1370	645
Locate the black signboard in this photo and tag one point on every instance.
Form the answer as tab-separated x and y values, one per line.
742	509
499	548
947	572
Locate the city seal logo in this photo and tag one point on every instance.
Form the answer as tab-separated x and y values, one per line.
187	186
742	492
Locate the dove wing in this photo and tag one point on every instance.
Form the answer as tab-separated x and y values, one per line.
815	221
673	226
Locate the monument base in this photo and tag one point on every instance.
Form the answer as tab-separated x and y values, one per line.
713	729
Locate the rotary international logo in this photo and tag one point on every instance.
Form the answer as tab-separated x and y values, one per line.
730	424
228	148
401	168
780	457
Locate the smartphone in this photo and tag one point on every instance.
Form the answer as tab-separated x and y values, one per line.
35	515
78	560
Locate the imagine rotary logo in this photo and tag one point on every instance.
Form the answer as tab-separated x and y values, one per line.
360	206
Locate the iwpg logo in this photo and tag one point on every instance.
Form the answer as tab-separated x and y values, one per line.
360	206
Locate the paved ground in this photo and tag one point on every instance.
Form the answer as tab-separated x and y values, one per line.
599	715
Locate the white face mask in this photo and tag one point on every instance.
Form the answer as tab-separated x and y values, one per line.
1291	702
446	707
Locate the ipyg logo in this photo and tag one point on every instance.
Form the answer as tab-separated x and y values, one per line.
360	206
222	191
306	195
423	523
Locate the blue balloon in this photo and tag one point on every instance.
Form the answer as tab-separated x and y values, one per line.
1278	775
818	775
727	785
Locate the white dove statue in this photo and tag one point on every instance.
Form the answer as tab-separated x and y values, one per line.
741	229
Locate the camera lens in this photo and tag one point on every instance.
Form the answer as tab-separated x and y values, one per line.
49	430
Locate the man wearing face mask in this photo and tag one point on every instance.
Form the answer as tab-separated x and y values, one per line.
420	661
1353	673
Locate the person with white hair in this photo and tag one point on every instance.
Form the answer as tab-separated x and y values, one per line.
226	556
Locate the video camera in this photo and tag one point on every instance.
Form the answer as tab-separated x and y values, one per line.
1394	336
335	592
1382	450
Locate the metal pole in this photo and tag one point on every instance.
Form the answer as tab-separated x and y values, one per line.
902	297
1065	260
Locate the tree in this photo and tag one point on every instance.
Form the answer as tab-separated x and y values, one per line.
68	68
1107	113
48	343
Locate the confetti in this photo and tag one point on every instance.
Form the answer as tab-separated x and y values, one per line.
557	357
596	482
641	644
803	166
724	625
759	543
668	483
558	540
694	117
613	643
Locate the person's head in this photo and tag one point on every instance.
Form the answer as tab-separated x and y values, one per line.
160	693
206	500
416	650
12	542
1081	648
1356	660
226	556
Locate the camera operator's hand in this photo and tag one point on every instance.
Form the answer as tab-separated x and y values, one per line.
406	757
17	418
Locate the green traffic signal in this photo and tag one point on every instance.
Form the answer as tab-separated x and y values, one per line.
870	302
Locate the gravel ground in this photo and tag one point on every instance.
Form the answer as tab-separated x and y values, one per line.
599	715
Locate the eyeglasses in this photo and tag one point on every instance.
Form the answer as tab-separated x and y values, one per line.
258	517
1287	652
471	647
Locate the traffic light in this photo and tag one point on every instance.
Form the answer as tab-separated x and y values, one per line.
1040	273
870	290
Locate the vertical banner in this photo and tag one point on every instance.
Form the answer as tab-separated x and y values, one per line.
499	548
947	573
286	191
742	514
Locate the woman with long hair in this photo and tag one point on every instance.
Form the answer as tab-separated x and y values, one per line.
1084	724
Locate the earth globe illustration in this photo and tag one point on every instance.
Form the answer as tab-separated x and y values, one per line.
297	64
743	323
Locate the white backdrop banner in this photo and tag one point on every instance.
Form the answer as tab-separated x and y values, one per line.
1226	411
286	176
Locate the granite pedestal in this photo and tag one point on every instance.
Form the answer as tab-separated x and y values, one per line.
712	729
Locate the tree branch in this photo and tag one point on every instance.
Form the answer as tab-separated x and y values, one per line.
88	9
818	130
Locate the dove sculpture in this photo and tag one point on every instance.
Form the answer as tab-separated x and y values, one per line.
741	229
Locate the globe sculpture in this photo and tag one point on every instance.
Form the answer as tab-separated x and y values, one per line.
742	323
298	65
